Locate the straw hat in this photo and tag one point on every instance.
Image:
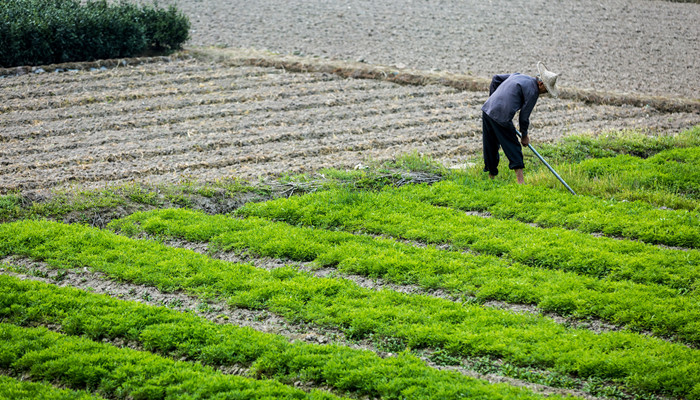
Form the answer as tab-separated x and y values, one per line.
549	79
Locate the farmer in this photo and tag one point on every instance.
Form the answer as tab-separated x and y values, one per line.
509	93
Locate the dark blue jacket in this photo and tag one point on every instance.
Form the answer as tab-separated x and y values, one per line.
509	93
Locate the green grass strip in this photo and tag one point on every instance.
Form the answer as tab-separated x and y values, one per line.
576	148
638	361
124	373
671	170
651	307
395	213
15	389
177	334
554	208
657	187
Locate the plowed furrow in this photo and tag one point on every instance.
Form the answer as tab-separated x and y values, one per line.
331	94
134	72
204	146
111	83
214	107
80	97
174	166
325	120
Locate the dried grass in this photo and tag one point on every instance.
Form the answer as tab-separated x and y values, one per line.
86	65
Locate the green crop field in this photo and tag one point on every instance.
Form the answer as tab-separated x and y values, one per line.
405	280
256	216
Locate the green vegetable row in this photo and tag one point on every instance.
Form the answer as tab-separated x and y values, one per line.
638	306
396	213
665	185
673	170
15	389
576	148
123	373
175	334
549	208
640	362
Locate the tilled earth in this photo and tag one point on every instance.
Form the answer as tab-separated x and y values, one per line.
190	119
631	46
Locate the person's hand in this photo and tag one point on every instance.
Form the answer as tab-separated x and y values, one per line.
525	140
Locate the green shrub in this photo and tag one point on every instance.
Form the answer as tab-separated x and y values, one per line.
34	32
165	29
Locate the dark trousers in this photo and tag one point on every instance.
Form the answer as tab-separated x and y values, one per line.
496	135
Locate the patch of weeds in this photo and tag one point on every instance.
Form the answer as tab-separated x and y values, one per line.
594	386
142	195
10	207
342	175
180	200
483	365
443	357
60	275
204	307
418	162
261	317
130	229
547	378
40	274
388	344
207	191
176	304
638	143
376	182
598	387
16	268
470	299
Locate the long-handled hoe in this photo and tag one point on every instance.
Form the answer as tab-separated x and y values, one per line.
545	163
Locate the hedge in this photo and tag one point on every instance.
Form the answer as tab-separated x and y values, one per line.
36	32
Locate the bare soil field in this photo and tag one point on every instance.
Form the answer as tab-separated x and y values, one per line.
629	46
192	119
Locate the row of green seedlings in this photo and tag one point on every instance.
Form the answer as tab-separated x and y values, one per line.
483	364
13	388
577	148
401	213
590	166
87	319
639	306
124	373
639	362
554	208
672	170
88	207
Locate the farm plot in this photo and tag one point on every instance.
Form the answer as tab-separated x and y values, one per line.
397	307
463	288
467	288
197	120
